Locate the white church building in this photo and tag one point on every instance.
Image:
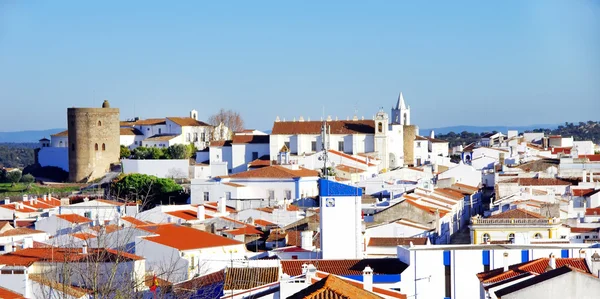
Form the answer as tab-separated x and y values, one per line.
381	138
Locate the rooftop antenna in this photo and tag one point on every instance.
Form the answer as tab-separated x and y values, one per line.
325	131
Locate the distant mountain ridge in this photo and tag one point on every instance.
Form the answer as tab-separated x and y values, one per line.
483	129
27	136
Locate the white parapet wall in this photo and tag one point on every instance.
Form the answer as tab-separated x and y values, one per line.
161	168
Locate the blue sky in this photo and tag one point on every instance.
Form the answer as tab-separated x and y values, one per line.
457	62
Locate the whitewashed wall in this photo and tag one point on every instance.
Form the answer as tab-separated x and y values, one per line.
159	168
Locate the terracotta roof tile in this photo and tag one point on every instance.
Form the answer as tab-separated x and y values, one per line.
83	236
72	291
350	157
346	267
251	139
592	158
350	169
26	257
332	287
584	229
145	122
294	238
393	242
264	223
314	127
584	192
74	218
184	288
15	207
188	122
8	294
185	238
187	215
161	137
64	133
130	132
234	185
517	214
248	278
276	171
133	220
537	266
592	211
260	162
20	231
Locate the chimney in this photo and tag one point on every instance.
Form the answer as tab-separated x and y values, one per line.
311	272
368	279
595	263
306	241
84	249
25	198
222	206
49	196
7	201
505	261
552	262
45	198
200	212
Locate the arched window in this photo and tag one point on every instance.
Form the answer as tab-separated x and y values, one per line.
537	236
511	238
405	119
103	147
380	127
99	123
486	238
60	143
96	147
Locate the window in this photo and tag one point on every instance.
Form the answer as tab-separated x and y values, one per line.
340	146
228	195
288	194
2	248
60	143
159	131
313	146
271	194
379	127
486	238
511	238
103	147
578	237
195	137
294	257
287	144
206	196
188	137
587	237
203	136
87	214
99	123
418	144
537	236
254	156
72	147
96	147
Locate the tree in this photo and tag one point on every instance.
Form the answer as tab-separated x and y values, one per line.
125	152
28	179
142	187
231	119
178	151
14	176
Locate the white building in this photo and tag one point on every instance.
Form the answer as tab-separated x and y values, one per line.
340	221
240	151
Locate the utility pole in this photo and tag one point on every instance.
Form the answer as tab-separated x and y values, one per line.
325	130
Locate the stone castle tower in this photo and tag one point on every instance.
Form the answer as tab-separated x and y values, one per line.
93	141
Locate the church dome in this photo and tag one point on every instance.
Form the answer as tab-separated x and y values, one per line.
105	104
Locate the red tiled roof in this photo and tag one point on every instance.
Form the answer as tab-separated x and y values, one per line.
276	171
234	185
133	220
72	291
314	127
145	122
537	266
27	257
584	192
465	187
161	137
294	238
393	242
430	210
245	230
212	205
332	287
560	150
186	215
64	133
199	282
249	278
130	132
20	231
517	214
262	222
15	207
188	122
346	267
241	139
260	162
592	158
8	294
74	218
538	182
185	238
350	169
83	236
592	211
